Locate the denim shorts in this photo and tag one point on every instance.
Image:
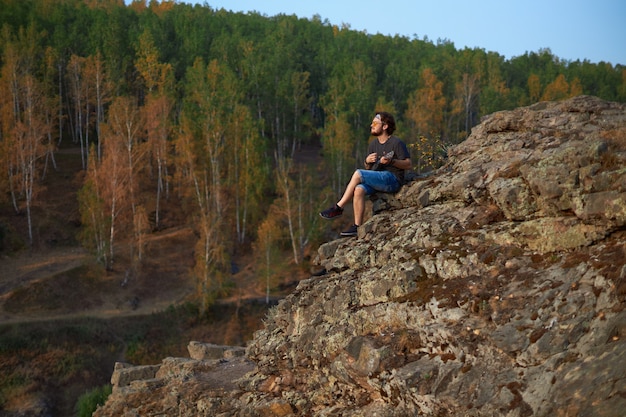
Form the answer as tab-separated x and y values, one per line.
382	181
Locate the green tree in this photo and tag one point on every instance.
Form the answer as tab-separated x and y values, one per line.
288	202
622	87
203	143
248	171
301	102
52	106
338	144
495	94
96	225
79	94
155	74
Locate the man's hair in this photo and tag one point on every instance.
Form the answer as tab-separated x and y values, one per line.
388	119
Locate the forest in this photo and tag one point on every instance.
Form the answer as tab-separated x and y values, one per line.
205	110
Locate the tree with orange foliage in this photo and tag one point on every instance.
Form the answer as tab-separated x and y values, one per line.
425	113
534	88
575	87
268	234
111	182
557	89
560	89
426	106
109	196
288	203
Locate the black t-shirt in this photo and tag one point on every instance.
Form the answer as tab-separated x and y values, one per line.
399	149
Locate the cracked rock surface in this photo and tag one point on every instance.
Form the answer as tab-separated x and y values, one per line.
494	287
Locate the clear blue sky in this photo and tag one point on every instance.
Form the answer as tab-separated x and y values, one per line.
594	30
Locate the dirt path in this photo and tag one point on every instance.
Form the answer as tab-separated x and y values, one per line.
27	268
164	282
41	274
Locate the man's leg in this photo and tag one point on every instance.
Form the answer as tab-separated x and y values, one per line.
358	204
337	209
369	183
349	192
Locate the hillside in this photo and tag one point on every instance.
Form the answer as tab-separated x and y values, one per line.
65	320
36	282
494	287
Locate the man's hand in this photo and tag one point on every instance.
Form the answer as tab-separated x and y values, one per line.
371	158
387	158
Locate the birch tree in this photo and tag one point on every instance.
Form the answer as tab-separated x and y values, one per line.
212	96
79	118
51	107
268	234
28	144
96	224
288	203
23	126
337	136
247	170
467	92
125	125
157	114
158	79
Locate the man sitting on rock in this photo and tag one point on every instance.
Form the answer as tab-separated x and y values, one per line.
387	160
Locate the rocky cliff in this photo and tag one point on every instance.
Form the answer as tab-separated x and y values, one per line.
494	287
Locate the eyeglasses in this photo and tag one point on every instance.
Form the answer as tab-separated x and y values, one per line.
377	120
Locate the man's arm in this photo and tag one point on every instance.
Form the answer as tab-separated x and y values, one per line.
402	163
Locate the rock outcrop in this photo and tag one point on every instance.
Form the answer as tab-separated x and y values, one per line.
495	287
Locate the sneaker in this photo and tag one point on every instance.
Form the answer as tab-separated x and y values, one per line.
352	231
331	213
